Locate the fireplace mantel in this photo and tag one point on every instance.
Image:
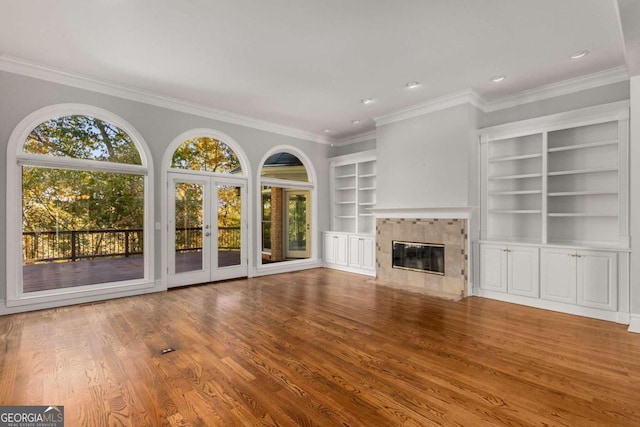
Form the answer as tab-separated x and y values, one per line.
461	212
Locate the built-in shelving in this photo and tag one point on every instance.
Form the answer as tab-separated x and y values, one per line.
558	179
353	192
554	226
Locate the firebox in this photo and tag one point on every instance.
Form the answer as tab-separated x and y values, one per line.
422	257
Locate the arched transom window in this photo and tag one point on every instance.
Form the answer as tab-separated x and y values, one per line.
206	154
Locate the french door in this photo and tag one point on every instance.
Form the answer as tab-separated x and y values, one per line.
297	223
207	229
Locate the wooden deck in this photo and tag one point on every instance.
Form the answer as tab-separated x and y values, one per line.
319	348
40	277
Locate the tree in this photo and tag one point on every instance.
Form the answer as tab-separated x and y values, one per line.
70	199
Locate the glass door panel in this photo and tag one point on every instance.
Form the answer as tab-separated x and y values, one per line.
189	213
298	224
189	241
229	225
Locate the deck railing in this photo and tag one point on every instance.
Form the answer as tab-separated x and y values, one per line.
74	245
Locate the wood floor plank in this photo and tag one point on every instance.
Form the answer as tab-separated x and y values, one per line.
319	348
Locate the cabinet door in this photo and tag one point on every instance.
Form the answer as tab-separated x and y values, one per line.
368	256
558	281
523	271
493	268
341	252
329	248
597	278
355	251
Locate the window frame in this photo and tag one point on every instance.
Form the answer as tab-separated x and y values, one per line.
310	185
16	158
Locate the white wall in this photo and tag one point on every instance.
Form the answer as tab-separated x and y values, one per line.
424	161
158	126
356	147
558	104
634	172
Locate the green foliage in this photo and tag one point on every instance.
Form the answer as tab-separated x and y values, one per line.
207	155
82	137
66	199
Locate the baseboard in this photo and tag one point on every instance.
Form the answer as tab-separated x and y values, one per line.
71	300
594	313
350	269
634	323
285	267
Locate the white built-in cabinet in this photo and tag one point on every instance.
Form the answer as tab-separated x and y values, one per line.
555	210
510	268
353	224
362	253
350	252
586	278
336	248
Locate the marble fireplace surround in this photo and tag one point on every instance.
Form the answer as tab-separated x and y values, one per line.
447	226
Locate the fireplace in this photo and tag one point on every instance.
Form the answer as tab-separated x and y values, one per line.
407	248
414	256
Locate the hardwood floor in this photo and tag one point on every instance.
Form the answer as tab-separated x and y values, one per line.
319	348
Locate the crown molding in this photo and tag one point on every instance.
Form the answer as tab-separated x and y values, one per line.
356	138
31	69
565	87
467	96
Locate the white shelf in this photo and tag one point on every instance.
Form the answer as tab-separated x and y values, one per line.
580	146
581	214
522	176
353	192
582	171
516	211
515	192
510	158
581	193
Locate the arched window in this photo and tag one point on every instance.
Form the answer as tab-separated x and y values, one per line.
83	210
206	154
286	208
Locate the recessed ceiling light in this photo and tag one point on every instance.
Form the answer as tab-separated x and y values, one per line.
366	100
413	85
580	54
327	130
498	79
355	122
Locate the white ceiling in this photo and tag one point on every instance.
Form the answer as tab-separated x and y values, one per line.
307	64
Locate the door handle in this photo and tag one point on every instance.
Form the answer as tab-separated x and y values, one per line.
207	234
